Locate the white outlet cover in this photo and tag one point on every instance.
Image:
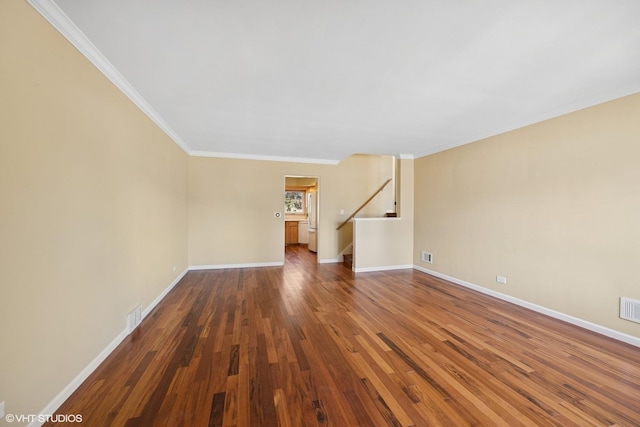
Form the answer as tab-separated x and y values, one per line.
501	279
1	410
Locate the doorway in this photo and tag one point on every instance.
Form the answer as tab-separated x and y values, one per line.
301	219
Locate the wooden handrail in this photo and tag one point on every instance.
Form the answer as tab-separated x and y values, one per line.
364	204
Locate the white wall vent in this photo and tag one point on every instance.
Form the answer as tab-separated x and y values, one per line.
134	318
427	257
630	309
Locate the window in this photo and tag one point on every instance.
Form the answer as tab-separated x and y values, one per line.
294	202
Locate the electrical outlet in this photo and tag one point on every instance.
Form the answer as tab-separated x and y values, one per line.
427	257
501	279
174	268
1	410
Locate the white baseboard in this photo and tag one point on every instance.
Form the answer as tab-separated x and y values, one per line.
93	365
249	265
164	293
328	261
382	268
602	330
80	378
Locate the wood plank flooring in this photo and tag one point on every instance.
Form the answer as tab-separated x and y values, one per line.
317	345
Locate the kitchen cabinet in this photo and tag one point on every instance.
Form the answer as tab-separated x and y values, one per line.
291	232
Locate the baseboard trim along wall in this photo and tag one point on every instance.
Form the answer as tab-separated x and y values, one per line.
84	374
80	378
328	261
248	265
164	293
384	268
602	330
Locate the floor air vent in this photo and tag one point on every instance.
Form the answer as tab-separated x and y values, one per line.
630	309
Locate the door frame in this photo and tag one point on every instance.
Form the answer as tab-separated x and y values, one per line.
318	205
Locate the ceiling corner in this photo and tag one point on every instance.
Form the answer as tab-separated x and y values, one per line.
61	22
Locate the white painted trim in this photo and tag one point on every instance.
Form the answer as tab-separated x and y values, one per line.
80	378
602	330
249	265
262	157
382	268
578	105
329	261
164	293
57	401
61	22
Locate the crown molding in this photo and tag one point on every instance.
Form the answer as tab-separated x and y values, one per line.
262	157
51	12
61	22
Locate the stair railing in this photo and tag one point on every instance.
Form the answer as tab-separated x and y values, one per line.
346	221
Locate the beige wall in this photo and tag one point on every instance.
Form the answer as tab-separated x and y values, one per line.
93	213
381	243
98	206
554	207
232	204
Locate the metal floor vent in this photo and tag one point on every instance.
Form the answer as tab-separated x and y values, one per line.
630	309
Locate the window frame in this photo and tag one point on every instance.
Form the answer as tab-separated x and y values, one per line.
303	191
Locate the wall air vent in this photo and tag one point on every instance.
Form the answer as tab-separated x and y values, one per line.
427	257
134	318
630	309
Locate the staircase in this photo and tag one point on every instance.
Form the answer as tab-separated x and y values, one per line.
348	261
347	253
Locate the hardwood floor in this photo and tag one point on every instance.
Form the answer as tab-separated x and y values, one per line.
315	344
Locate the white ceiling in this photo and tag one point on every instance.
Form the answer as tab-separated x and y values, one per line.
327	78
